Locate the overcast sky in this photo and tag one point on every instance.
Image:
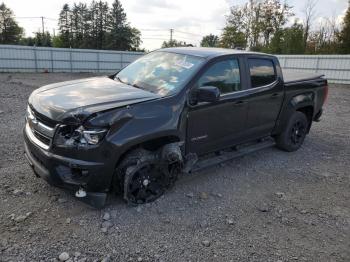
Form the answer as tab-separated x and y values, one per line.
191	19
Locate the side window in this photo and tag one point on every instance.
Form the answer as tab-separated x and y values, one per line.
223	75
262	72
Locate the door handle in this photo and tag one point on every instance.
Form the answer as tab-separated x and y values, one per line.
275	95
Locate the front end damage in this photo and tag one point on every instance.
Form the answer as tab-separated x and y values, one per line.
71	154
79	153
77	132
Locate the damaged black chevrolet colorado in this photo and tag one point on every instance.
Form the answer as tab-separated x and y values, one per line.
171	111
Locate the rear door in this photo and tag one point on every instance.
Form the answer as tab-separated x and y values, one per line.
212	126
264	96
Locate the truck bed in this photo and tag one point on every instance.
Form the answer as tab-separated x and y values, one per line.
292	76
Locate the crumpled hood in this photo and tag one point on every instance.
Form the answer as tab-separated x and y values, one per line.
77	99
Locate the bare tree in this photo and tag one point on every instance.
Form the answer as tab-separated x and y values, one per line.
309	13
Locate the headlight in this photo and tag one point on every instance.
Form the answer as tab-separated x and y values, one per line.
69	136
92	137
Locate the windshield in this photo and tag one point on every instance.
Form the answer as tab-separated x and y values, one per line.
160	72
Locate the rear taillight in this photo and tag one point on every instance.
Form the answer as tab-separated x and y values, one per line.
325	93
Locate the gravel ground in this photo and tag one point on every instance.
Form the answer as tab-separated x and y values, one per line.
266	206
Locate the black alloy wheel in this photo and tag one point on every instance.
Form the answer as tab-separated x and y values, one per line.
294	132
145	183
298	132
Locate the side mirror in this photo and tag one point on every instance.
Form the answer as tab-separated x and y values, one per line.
207	94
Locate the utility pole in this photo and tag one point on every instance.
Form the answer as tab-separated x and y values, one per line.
42	24
171	35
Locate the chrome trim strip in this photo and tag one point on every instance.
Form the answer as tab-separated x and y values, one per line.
37	125
44	129
252	90
33	138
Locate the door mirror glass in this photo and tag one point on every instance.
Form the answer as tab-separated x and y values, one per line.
207	94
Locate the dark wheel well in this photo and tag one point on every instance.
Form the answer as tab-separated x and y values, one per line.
151	145
308	111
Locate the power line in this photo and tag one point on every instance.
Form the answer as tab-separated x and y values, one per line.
154	38
152	29
184	37
173	30
163	36
189	33
35	17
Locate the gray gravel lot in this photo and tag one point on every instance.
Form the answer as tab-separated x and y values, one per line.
266	206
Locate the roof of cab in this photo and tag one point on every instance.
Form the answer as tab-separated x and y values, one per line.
206	52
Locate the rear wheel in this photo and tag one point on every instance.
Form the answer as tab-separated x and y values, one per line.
294	133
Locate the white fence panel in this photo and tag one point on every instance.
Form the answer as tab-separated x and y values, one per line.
336	68
45	59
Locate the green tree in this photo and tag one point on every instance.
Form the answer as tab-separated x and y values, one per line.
344	35
28	41
43	39
210	41
174	43
255	23
99	14
64	23
288	41
324	40
274	15
57	42
121	35
135	37
80	25
10	31
233	38
96	26
293	40
40	39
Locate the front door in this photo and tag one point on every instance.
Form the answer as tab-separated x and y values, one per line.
212	126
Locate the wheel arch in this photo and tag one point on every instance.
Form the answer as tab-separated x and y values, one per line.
308	111
304	103
150	144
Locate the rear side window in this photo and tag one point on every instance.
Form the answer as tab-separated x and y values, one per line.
224	75
262	72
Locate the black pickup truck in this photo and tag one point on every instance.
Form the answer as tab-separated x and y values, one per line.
172	111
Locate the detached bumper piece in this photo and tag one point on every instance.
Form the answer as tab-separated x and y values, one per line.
66	173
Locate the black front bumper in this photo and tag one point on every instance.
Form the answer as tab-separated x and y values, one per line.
72	174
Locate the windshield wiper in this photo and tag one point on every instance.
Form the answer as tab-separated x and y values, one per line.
121	81
134	85
137	86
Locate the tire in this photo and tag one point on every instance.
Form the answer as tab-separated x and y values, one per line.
294	133
143	178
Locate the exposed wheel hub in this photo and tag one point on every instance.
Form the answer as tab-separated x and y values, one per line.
298	132
146	182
